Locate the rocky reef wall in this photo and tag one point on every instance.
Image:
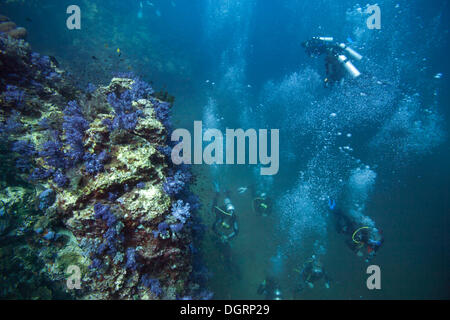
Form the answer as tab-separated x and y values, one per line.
86	182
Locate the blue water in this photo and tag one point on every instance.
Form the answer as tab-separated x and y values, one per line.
239	64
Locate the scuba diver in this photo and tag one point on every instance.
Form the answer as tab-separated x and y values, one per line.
270	289
336	62
226	228
360	238
312	271
261	204
226	225
368	239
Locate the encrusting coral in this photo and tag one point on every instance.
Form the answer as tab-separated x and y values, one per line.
10	28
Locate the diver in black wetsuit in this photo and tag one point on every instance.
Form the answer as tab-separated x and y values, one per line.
226	228
261	203
312	271
361	239
226	224
336	61
270	289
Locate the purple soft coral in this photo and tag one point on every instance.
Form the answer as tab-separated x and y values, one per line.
25	151
152	284
140	89
131	259
52	153
60	179
96	163
181	211
162	112
74	126
125	118
111	236
177	183
14	95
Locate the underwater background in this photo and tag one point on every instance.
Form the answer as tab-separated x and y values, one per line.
379	143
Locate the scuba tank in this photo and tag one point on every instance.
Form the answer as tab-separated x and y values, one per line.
326	45
228	205
352	52
346	63
324	38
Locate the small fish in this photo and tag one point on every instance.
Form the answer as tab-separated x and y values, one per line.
118	50
438	75
242	190
158	13
94	58
106	46
28	19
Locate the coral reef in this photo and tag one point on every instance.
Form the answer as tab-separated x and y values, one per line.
10	28
84	182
